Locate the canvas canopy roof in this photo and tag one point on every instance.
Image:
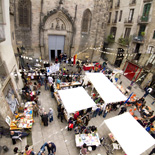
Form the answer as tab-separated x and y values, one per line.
132	137
106	89
75	99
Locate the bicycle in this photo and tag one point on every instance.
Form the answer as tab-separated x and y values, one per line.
108	147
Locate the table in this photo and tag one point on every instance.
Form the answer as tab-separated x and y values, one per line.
26	121
57	97
89	139
88	67
112	137
33	76
68	84
120	88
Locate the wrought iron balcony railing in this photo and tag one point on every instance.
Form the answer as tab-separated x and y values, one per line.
138	39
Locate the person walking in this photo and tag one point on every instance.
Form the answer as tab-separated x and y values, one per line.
45	119
65	57
148	91
35	110
52	90
50	115
84	149
59	110
50	147
69	61
62	114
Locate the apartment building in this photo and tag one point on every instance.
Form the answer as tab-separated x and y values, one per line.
130	39
10	79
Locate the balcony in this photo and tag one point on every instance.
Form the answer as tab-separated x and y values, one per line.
128	22
117	5
143	19
2	34
138	39
146	1
132	2
114	21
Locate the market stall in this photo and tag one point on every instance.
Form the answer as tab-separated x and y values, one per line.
88	67
33	74
106	89
132	137
90	139
74	99
23	120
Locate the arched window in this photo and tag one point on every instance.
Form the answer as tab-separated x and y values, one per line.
86	21
24	11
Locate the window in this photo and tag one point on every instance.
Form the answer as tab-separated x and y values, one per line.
131	13
150	49
151	59
137	57
116	15
24	10
86	21
109	17
127	33
154	35
113	31
111	4
120	15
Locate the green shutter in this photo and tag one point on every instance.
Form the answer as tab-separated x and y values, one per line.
146	11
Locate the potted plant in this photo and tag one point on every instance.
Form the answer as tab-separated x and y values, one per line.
123	41
111	38
142	33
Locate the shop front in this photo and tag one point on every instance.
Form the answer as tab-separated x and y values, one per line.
132	71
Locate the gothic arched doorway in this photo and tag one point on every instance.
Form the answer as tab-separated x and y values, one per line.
57	33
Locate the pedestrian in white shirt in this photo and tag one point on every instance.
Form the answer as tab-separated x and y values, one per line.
50	80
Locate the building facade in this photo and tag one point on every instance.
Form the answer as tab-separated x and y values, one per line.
130	38
47	28
10	79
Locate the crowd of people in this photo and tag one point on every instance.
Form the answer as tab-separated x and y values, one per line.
80	119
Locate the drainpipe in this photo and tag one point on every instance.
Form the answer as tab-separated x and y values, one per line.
73	31
41	11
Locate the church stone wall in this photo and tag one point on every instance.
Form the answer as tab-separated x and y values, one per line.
98	9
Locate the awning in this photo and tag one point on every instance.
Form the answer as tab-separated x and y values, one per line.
132	137
106	89
75	99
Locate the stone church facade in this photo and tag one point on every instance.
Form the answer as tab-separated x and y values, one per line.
47	28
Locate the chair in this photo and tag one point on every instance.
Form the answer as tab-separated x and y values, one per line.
116	146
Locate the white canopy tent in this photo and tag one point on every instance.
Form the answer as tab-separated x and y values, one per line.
75	99
106	89
132	137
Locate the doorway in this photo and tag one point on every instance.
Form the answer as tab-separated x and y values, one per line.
119	57
58	53
137	48
56	46
52	54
